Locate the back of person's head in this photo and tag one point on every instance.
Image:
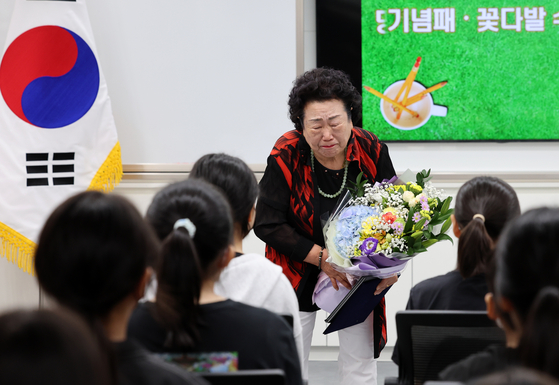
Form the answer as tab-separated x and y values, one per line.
515	376
237	181
193	218
93	252
45	347
484	205
527	276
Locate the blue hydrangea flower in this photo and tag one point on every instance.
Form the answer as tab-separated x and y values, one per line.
348	226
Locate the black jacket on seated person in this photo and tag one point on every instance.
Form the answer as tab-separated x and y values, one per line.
447	292
262	339
493	359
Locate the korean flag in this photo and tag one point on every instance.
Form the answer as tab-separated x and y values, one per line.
57	132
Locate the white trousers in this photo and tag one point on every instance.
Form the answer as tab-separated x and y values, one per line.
356	362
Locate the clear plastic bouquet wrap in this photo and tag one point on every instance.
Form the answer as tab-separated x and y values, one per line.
377	228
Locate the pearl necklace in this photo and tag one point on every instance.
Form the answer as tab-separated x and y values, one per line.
346	164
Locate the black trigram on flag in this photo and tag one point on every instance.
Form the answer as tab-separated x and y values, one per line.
40	169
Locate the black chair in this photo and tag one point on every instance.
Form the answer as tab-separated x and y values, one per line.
430	340
247	377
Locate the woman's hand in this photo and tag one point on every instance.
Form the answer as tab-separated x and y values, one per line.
335	276
386	283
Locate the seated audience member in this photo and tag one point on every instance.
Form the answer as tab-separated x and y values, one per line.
47	347
526	296
495	357
92	257
516	376
249	278
484	205
194	221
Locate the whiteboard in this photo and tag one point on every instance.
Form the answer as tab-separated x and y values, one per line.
188	77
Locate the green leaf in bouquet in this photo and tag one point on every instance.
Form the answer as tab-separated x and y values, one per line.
435	218
417	234
420	249
427	234
436	223
444	217
422	177
430	227
446	226
444	237
419	225
357	188
409	223
429	242
446	205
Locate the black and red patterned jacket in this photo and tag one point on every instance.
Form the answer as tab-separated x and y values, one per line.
286	216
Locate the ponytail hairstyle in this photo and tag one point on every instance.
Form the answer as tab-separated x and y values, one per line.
193	219
484	205
235	179
527	275
92	253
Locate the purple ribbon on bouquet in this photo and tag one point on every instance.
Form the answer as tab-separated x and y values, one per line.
369	260
375	261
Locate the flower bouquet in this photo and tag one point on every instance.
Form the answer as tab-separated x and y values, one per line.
376	229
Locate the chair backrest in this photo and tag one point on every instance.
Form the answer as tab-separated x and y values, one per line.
430	340
247	377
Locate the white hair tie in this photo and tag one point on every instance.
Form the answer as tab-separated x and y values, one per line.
480	216
187	224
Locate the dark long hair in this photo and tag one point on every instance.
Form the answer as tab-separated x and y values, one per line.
92	253
235	179
527	274
186	258
497	201
48	347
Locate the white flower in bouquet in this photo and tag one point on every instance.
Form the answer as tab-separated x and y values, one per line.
407	196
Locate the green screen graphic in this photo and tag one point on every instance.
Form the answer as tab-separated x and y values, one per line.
500	58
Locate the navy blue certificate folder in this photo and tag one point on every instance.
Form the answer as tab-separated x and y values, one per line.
356	305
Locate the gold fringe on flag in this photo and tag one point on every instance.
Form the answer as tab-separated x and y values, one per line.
16	247
109	174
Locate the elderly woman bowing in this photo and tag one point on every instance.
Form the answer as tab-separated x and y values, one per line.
308	169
